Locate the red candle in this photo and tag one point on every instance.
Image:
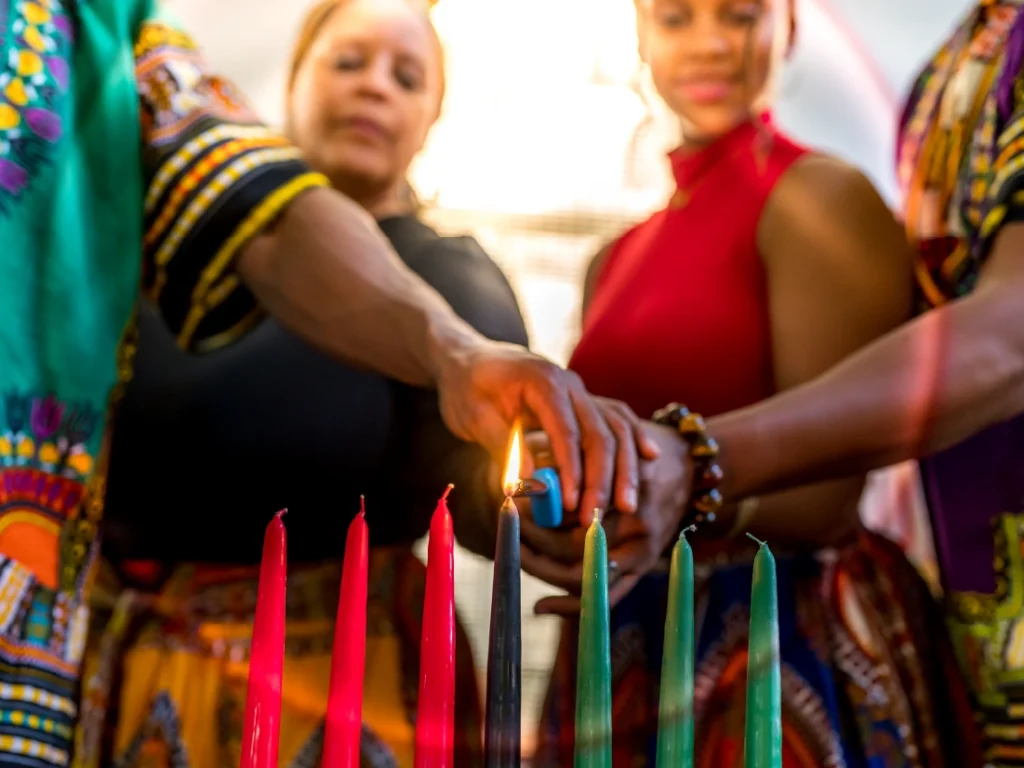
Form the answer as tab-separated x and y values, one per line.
262	728
435	731
348	659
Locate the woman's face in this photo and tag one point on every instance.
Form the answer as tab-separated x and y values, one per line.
710	59
366	94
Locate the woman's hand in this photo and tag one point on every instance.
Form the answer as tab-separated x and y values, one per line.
633	446
636	542
595	442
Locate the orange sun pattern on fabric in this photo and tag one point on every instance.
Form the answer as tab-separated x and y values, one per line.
44	462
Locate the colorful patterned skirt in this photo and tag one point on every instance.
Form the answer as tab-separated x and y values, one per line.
165	675
868	679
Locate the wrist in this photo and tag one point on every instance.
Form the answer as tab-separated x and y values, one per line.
450	346
753	452
704	499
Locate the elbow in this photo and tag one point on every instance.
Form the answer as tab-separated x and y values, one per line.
1015	375
1003	345
986	376
257	265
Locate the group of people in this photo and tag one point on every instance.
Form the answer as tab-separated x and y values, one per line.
304	337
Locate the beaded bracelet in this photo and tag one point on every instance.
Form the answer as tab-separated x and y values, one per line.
705	498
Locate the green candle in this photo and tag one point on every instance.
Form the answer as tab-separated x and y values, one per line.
594	665
675	708
763	744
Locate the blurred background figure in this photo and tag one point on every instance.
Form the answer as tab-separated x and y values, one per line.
770	263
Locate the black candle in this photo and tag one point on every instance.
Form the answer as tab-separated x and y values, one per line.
505	644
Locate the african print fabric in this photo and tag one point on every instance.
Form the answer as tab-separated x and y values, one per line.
961	165
119	168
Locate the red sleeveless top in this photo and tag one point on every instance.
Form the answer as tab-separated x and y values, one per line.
680	311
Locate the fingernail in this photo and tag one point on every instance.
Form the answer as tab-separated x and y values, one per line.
631	498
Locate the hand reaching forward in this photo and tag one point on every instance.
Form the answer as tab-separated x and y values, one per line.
595	444
636	542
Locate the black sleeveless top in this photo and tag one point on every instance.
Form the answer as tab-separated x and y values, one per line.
205	449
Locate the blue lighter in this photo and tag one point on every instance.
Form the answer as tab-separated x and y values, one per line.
545	493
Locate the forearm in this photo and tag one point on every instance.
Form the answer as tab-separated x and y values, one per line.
926	386
327	273
812	516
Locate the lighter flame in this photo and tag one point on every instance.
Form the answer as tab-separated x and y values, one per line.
512	466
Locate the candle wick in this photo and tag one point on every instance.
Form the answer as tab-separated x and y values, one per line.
281	513
598	515
756	539
688	529
362	505
509	506
447	491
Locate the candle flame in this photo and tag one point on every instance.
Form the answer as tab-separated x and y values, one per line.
512	465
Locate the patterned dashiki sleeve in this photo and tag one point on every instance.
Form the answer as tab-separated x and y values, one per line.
214	177
1005	123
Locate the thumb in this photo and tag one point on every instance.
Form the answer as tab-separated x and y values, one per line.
538	443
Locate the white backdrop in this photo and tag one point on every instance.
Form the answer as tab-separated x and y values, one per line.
852	65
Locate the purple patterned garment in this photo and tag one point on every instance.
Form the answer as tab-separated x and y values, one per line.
975	490
970	485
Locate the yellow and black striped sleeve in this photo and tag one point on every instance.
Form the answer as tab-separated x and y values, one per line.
215	176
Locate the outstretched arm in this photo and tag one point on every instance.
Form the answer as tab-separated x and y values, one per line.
326	271
237	224
928	385
839	276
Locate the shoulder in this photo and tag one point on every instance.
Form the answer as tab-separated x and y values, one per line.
815	174
453	258
819	191
826	213
784	149
465	249
771	156
601	260
606	253
416	241
466	276
596	264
